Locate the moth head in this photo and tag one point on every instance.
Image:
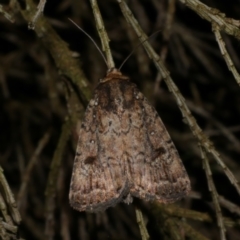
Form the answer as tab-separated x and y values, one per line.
113	73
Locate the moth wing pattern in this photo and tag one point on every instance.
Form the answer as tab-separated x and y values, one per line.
124	150
160	174
97	181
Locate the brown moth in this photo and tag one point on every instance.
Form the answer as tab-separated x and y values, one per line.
124	151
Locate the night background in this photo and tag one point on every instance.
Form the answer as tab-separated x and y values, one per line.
47	77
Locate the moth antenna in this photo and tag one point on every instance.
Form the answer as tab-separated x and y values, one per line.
131	53
91	40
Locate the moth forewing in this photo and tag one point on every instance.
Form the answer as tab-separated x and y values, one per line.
124	150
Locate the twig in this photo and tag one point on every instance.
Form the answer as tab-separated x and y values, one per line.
225	54
39	11
9	199
6	14
229	205
3	209
213	15
53	176
197	45
172	210
232	207
172	226
167	30
213	191
102	33
66	64
192	233
10	227
187	116
166	36
9	211
3	232
141	224
224	130
26	176
177	228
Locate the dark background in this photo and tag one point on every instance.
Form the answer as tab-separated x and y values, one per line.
37	98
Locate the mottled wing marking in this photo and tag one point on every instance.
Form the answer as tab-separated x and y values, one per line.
124	150
163	176
97	180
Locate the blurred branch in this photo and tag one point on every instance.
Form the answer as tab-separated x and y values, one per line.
8	207
166	36
53	176
141	224
175	211
27	173
229	205
7	15
224	130
171	225
39	11
63	57
232	207
192	233
213	191
8	197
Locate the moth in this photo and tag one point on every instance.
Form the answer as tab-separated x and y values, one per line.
124	151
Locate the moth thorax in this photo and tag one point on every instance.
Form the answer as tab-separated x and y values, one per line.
113	73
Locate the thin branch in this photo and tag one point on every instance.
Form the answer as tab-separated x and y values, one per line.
229	205
26	176
232	207
168	216
40	9
3	209
169	225
7	15
53	176
213	15
187	116
225	54
141	224
102	33
9	212
173	210
169	19
64	60
192	233
9	198
172	227
10	227
223	129
213	191
3	232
